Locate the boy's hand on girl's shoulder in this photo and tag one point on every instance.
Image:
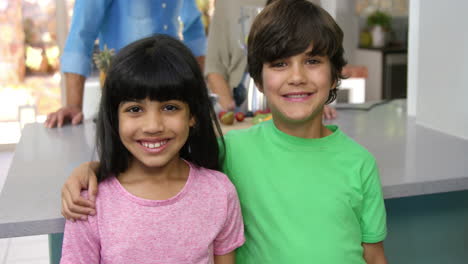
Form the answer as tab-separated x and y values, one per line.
74	206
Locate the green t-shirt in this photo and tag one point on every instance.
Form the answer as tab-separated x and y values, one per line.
304	200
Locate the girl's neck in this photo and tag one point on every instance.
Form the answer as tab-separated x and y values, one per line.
176	169
155	183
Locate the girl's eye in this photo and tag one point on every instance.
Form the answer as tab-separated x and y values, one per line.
134	109
170	108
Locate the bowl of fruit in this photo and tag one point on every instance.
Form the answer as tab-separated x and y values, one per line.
230	117
261	116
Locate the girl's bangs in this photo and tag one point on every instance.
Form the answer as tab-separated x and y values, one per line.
159	80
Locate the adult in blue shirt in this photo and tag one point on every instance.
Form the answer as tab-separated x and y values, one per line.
117	23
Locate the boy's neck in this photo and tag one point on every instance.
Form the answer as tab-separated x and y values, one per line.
313	128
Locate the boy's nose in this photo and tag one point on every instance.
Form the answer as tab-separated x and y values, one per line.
297	76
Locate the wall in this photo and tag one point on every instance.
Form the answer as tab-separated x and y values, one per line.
343	11
438	65
349	22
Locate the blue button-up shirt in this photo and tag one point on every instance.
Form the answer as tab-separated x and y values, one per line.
119	22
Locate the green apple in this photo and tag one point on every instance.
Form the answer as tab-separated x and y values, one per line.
227	118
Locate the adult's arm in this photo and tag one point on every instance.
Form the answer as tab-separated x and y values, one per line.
194	31
217	57
76	58
218	85
88	16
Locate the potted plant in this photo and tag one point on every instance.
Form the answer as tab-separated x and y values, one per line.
103	60
380	24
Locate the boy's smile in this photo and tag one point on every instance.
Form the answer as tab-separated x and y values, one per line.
153	131
297	97
297	88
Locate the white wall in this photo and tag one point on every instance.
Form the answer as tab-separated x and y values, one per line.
343	11
413	56
330	6
438	65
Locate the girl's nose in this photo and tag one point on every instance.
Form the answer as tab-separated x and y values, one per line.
153	123
297	76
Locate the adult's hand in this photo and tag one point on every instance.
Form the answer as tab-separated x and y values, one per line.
329	112
227	103
218	85
74	206
64	115
73	111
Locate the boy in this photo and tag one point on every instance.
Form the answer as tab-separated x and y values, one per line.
309	193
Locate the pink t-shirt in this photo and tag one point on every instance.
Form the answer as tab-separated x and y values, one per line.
202	220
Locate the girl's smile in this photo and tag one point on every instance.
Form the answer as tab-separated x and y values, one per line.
154	145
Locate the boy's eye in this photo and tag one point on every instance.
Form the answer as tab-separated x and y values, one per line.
278	64
313	61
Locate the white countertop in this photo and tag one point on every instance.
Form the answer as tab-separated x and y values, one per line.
413	160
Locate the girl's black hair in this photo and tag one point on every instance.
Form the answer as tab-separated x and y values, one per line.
159	68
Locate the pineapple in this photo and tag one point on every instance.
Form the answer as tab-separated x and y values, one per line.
103	60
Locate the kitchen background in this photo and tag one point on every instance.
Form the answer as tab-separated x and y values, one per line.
426	47
30	40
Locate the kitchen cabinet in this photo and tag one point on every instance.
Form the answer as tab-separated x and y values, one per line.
387	68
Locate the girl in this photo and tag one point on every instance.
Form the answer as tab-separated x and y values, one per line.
160	199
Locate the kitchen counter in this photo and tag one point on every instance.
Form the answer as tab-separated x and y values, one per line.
413	161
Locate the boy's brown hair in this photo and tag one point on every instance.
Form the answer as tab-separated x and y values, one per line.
288	27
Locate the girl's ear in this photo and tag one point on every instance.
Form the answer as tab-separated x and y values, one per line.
259	87
192	121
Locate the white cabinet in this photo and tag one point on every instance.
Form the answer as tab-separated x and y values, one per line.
372	59
387	69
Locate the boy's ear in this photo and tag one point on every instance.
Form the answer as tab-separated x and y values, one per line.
334	85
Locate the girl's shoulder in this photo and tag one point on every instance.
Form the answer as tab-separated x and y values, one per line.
106	187
213	179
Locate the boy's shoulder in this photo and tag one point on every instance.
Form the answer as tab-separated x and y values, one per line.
251	132
352	147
